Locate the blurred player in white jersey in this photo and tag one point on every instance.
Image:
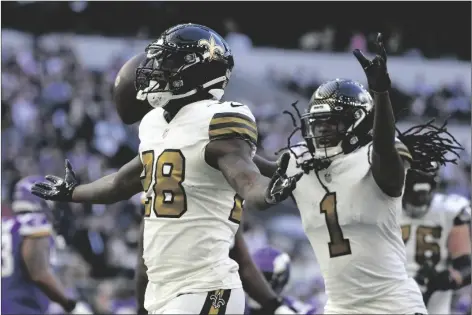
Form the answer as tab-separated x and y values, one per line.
350	196
436	232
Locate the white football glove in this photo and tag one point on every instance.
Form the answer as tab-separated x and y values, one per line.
81	308
284	309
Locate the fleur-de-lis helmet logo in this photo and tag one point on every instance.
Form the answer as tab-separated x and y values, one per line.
213	50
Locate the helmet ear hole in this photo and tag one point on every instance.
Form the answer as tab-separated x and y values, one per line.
190	58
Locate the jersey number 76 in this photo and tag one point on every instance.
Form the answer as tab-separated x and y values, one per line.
165	177
425	249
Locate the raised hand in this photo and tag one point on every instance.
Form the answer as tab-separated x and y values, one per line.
375	69
281	185
56	188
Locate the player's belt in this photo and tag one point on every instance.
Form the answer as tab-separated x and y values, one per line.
216	302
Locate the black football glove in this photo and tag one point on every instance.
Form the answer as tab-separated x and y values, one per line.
433	281
56	188
441	281
375	69
281	185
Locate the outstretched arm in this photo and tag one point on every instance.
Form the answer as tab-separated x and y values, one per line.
460	249
233	157
266	167
112	188
387	164
35	254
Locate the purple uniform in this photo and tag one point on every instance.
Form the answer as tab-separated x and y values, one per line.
303	308
19	294
124	306
296	305
275	265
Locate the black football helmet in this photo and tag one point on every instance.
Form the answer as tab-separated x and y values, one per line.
339	119
419	190
184	60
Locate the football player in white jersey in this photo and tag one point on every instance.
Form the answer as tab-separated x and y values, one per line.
436	232
196	154
350	197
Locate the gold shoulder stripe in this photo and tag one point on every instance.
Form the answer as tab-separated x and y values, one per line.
229	125
403	151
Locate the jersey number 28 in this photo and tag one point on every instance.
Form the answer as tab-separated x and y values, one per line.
338	245
165	177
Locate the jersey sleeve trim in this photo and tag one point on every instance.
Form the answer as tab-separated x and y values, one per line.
464	216
39	234
403	151
36	231
233	125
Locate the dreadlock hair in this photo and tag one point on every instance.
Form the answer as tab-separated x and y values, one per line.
428	146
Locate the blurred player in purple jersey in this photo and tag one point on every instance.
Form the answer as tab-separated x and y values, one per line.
28	282
275	265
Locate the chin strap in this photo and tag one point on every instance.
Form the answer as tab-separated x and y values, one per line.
204	86
161	98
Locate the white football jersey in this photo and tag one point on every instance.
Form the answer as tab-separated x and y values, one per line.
426	239
354	229
191	212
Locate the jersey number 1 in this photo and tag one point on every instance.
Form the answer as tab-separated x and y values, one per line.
165	177
338	245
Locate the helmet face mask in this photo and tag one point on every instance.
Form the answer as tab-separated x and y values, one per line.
158	79
419	189
275	266
337	118
325	132
278	281
184	60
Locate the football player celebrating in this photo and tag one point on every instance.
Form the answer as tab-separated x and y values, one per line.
355	176
436	232
196	160
276	268
28	282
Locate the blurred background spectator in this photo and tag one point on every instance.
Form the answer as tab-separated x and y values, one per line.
59	61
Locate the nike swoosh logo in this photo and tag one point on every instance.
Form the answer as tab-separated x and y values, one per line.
236	105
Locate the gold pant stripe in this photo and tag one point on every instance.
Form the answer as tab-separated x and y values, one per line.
216	302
